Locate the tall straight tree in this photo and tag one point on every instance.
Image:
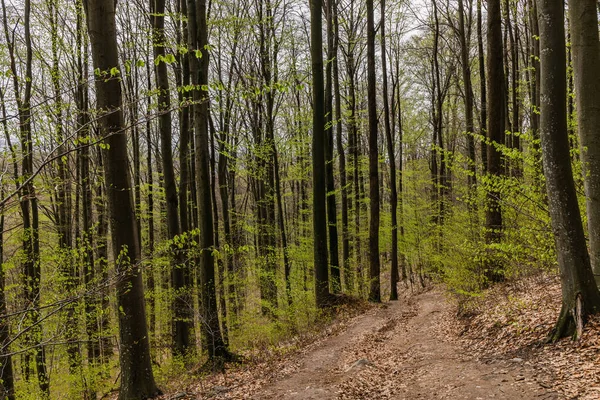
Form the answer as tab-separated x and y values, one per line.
482	86
394	278
495	131
137	380
374	266
585	45
181	321
580	296
7	386
199	57
466	73
331	203
348	275
318	157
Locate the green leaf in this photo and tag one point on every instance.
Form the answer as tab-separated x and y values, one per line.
114	71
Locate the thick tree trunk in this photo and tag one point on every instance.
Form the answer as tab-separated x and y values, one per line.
585	45
318	158
495	131
137	380
580	296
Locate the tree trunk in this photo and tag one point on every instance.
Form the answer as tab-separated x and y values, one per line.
585	45
580	296
198	41
334	261
348	275
468	87
181	315
495	131
374	266
394	274
318	158
482	82
7	386
137	380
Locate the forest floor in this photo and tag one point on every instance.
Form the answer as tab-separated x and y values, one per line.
419	348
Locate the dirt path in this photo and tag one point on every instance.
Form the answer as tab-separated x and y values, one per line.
400	351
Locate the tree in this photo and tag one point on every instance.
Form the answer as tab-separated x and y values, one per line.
580	296
348	274
137	380
394	278
329	124
468	88
318	157
7	385
495	131
374	263
181	320
199	58
585	46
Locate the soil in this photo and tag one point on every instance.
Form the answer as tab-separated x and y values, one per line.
401	350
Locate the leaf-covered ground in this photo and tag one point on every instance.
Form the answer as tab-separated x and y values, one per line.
420	348
513	321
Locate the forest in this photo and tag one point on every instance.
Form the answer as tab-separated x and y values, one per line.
182	182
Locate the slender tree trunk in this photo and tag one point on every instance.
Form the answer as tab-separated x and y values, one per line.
483	89
394	275
334	261
468	87
7	386
150	281
374	266
198	40
181	318
348	275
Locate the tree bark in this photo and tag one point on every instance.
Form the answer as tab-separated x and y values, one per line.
394	274
318	158
483	90
495	131
585	46
181	315
468	87
334	261
580	296
137	380
348	275
198	41
7	386
374	264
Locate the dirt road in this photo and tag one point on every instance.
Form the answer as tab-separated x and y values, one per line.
400	351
